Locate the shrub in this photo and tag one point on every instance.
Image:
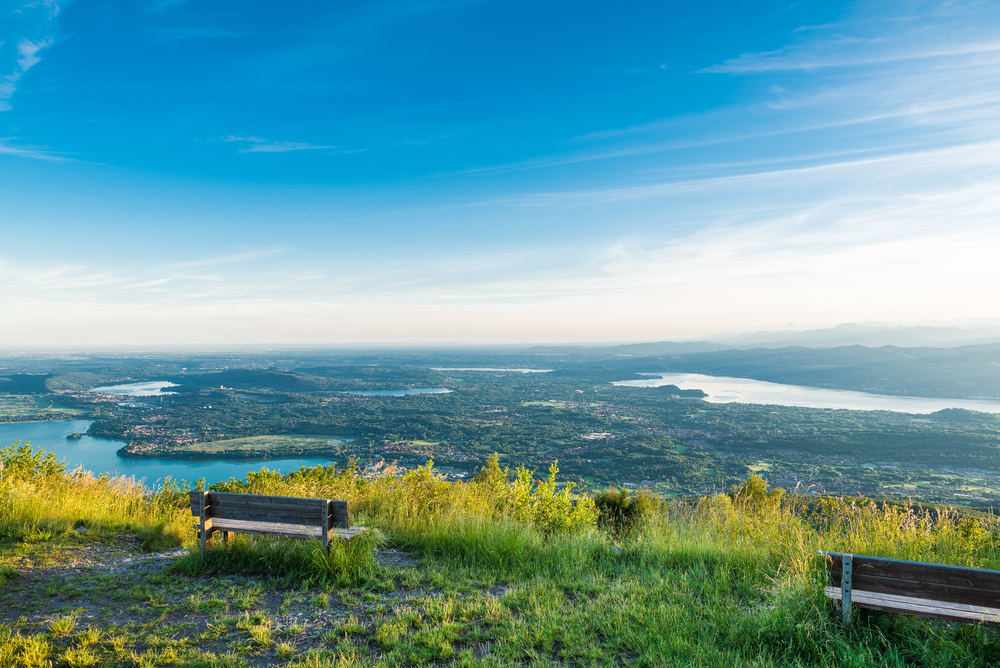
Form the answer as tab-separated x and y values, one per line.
22	462
534	502
621	515
754	495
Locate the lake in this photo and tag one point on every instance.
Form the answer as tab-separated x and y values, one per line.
151	389
98	455
723	390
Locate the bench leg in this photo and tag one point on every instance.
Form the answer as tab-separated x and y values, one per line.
846	586
225	537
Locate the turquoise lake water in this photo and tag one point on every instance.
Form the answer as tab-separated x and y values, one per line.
99	455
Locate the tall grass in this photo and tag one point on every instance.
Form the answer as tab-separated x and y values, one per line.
723	580
344	564
504	519
40	497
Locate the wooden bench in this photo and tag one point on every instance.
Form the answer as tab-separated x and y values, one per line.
321	519
953	593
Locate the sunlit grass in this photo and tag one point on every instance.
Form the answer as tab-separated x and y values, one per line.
520	575
41	499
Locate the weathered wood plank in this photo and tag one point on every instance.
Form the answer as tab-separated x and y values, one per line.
340	514
922	608
269	528
918	571
907	578
281	529
929	587
197	503
289	503
266	515
926	590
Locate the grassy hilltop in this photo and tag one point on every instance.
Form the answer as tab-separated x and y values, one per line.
504	569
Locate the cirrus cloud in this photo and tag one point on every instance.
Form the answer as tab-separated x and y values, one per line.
258	145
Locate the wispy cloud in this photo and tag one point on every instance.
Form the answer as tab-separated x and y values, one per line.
883	80
843	53
27	57
32	152
218	260
896	166
35	27
33	34
258	145
881	33
217	277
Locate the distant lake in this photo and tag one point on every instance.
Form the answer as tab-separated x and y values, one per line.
98	455
485	368
396	393
150	389
723	390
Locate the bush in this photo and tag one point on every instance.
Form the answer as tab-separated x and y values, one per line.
753	495
535	502
22	462
621	515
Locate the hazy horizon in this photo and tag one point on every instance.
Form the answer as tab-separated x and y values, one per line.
471	173
951	333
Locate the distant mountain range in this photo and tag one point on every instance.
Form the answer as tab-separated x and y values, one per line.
871	336
915	360
963	371
849	334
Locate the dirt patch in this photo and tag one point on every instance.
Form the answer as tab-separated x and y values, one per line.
394	559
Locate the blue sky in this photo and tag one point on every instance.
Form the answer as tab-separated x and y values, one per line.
485	172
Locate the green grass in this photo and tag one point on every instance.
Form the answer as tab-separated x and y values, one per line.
23	408
282	445
507	575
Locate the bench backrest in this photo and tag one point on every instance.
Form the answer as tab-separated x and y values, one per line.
278	509
936	582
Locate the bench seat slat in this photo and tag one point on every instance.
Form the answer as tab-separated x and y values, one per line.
956	612
924	589
281	529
